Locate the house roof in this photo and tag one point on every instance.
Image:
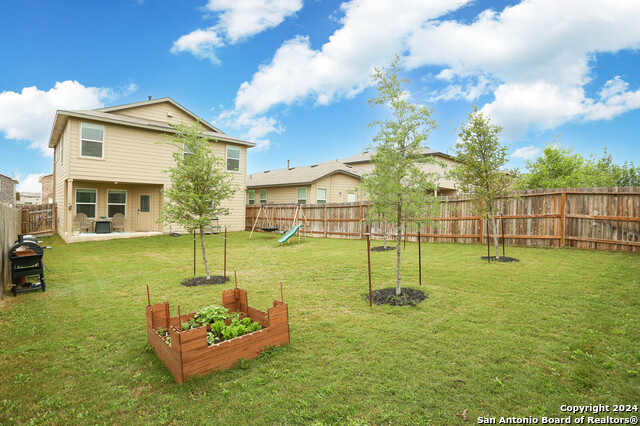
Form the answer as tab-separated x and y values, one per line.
44	177
365	157
8	177
301	175
62	117
158	101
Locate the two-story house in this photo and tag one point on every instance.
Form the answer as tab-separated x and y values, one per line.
334	181
109	160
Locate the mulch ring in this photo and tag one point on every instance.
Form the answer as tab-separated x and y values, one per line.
387	296
382	248
214	279
504	259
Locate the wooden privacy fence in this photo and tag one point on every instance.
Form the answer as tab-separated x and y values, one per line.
594	218
9	229
39	219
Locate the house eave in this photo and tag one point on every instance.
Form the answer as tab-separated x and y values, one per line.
63	116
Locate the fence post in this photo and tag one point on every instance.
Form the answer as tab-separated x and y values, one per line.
563	217
325	220
24	220
54	225
481	225
360	236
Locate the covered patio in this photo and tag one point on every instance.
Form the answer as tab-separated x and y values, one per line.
98	211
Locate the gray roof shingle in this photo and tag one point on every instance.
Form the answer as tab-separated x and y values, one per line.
300	175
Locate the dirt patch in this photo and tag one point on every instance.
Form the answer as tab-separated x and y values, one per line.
503	259
387	296
214	279
382	248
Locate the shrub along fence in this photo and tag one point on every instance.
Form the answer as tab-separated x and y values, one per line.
9	229
593	218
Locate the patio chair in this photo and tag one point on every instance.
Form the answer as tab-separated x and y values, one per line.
82	222
214	227
118	222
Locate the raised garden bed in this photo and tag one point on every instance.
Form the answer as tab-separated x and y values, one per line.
187	353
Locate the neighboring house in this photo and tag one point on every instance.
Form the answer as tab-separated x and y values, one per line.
30	198
109	161
446	186
8	190
332	181
329	182
47	188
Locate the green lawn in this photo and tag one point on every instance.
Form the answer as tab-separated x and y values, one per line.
520	339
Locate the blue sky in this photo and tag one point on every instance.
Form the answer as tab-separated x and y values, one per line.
293	75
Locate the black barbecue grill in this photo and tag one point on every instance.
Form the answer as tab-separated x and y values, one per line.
26	261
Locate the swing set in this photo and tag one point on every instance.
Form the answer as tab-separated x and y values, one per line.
274	217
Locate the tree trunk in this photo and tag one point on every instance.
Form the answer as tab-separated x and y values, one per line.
495	231
204	254
398	247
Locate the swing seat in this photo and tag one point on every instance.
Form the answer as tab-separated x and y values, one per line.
270	228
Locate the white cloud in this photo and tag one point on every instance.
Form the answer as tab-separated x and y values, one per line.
535	57
29	115
237	20
201	43
255	128
30	183
526	152
539	54
242	19
372	32
615	99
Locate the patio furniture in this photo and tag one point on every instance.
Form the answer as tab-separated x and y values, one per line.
214	227
102	226
82	222
118	222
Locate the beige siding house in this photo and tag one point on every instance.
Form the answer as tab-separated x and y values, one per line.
442	164
109	161
332	181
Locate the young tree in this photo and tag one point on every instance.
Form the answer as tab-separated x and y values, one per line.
199	183
480	174
399	191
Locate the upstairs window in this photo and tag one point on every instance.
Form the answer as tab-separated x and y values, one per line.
302	195
233	158
92	144
263	196
252	196
322	196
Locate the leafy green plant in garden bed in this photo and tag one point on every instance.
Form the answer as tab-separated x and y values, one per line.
211	314
220	332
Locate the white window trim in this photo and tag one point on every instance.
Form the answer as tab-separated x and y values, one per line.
227	158
266	194
104	137
298	195
254	196
96	203
185	152
318	199
126	197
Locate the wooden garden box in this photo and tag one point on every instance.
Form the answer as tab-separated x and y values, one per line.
189	353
